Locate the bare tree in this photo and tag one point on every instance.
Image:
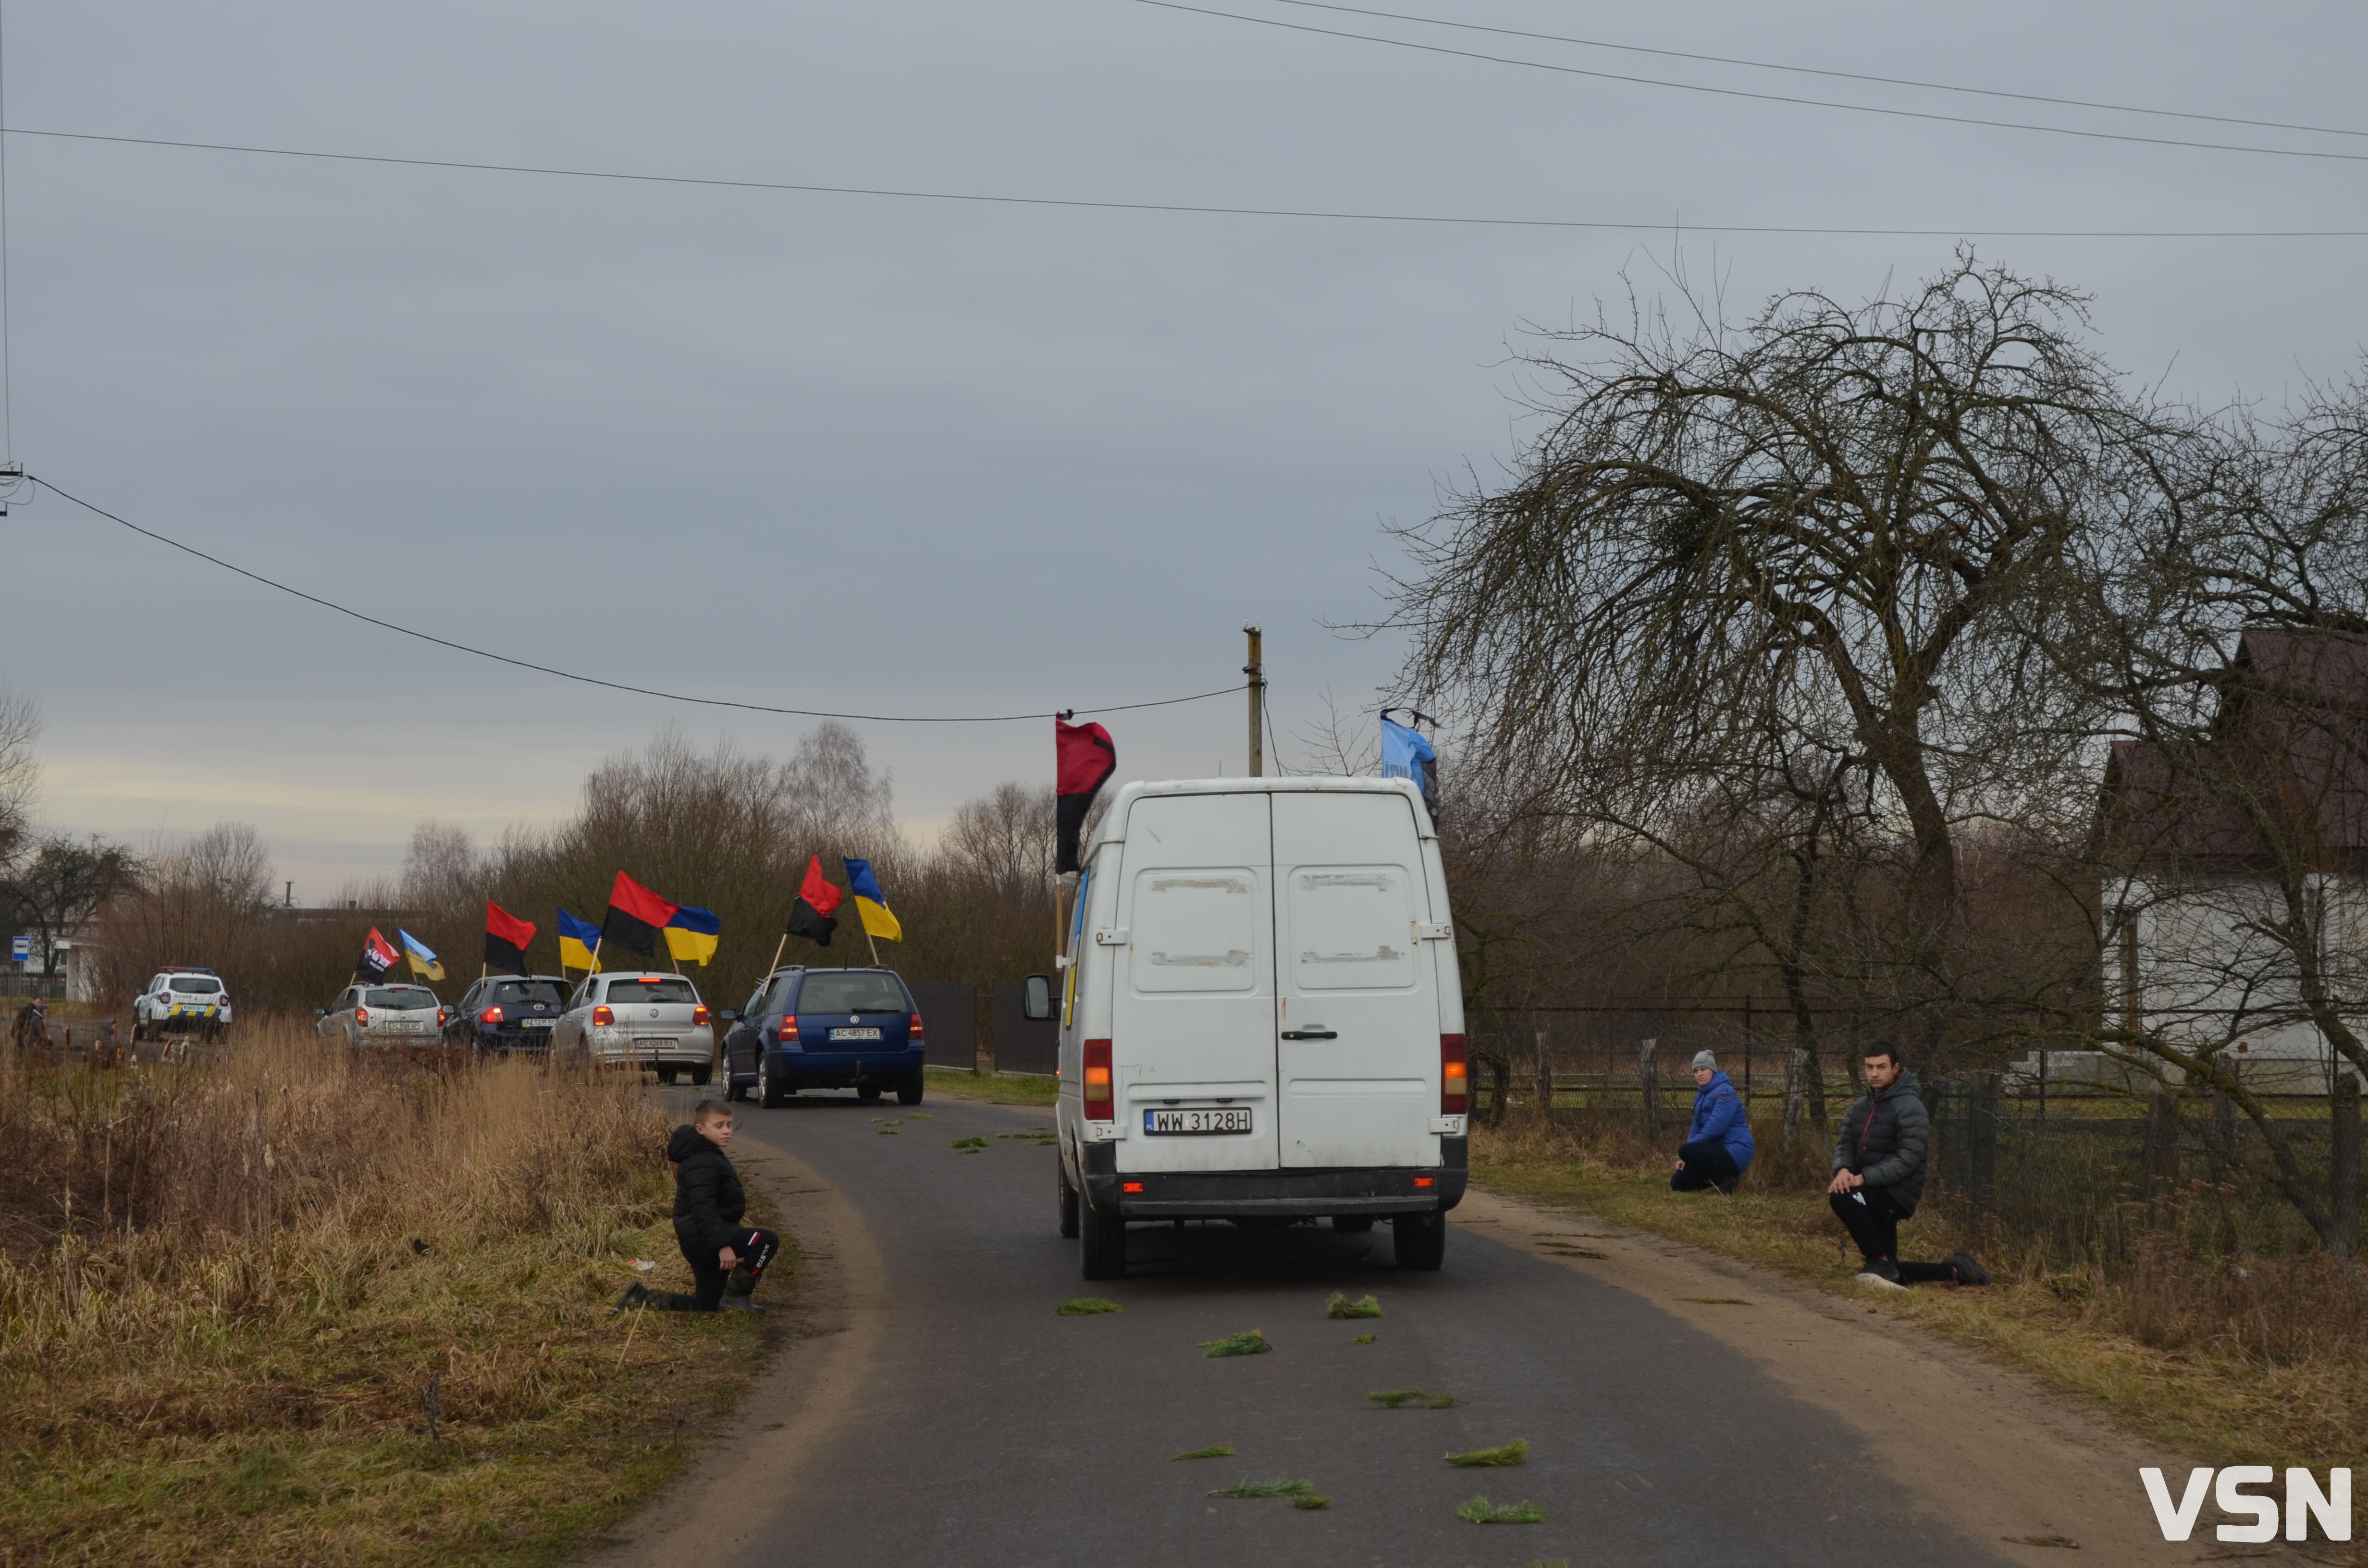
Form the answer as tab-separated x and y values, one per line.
1859	520
20	770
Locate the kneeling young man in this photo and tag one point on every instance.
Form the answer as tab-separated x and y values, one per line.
1879	1173
708	1206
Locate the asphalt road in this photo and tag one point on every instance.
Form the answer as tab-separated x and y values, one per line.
985	1430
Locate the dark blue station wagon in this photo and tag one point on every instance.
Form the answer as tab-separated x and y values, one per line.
825	1028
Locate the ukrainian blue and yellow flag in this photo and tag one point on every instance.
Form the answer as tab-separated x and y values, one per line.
579	943
415	953
869	902
690	935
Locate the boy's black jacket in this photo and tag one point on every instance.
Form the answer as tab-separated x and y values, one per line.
708	1202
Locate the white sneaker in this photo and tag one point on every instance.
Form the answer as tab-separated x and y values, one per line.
1879	1282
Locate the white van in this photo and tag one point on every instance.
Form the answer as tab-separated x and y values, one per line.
1260	1016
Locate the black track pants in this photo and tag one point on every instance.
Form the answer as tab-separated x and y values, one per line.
1707	1165
1872	1220
755	1249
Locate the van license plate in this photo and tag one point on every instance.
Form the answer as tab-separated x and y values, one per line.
855	1034
1234	1118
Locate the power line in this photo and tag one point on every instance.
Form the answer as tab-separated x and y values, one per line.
1839	75
1761	98
591	680
1190	209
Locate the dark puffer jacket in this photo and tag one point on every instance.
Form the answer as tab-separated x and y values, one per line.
1884	1139
708	1202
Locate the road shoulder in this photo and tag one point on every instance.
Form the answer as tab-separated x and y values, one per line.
720	1503
1987	1450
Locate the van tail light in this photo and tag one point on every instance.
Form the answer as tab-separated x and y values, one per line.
490	1016
698	1014
1100	1104
361	1016
917	1026
603	1016
1455	1076
789	1032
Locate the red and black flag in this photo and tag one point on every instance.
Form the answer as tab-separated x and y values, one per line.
378	955
635	916
1084	761
811	917
506	939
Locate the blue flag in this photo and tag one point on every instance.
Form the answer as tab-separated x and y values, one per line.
1405	755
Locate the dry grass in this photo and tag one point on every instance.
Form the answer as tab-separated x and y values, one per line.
1002	1089
285	1308
2256	1360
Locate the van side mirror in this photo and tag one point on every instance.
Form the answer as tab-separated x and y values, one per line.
1036	998
729	1015
320	1012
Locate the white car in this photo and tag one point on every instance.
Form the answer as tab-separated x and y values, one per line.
376	1015
181	1001
646	1019
1262	1020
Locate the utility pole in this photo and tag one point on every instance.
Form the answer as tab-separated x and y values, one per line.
1255	670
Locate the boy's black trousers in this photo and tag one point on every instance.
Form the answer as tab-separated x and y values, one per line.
755	1248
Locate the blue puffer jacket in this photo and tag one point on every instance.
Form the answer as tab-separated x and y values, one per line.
1718	1116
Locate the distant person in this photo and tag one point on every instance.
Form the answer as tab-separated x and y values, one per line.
1718	1146
33	1024
727	1257
1879	1175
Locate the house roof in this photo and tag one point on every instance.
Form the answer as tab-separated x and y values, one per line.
2282	773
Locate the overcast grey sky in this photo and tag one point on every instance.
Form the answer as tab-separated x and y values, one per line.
926	457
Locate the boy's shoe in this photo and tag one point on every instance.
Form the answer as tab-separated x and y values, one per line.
636	1294
1877	1281
1967	1271
739	1301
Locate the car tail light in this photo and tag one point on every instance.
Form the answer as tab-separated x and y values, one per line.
604	1015
443	1014
490	1016
1100	1103
918	1027
1455	1076
789	1035
698	1014
361	1016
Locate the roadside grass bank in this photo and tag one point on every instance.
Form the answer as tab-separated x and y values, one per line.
1003	1088
2230	1361
287	1307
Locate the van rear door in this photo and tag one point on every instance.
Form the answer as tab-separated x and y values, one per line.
1359	1053
1192	1015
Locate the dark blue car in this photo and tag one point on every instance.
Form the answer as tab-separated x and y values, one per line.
503	1013
825	1028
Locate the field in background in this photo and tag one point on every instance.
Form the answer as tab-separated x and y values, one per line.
2237	1356
280	1306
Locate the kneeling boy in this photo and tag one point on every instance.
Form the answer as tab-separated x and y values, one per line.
708	1205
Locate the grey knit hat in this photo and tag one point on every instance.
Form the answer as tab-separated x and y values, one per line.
1704	1058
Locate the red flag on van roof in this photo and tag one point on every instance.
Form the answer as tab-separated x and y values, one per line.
1084	759
810	917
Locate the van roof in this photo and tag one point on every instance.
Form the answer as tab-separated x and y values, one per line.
1108	831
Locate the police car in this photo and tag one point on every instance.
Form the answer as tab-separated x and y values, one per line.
181	1001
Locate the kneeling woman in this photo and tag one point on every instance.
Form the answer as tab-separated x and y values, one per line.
1718	1146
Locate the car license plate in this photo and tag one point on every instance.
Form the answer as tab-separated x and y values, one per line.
534	1023
652	1045
855	1034
1229	1118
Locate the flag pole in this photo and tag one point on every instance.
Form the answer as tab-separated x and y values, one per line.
777	948
875	946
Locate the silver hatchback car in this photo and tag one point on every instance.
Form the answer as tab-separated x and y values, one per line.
639	1019
404	1016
